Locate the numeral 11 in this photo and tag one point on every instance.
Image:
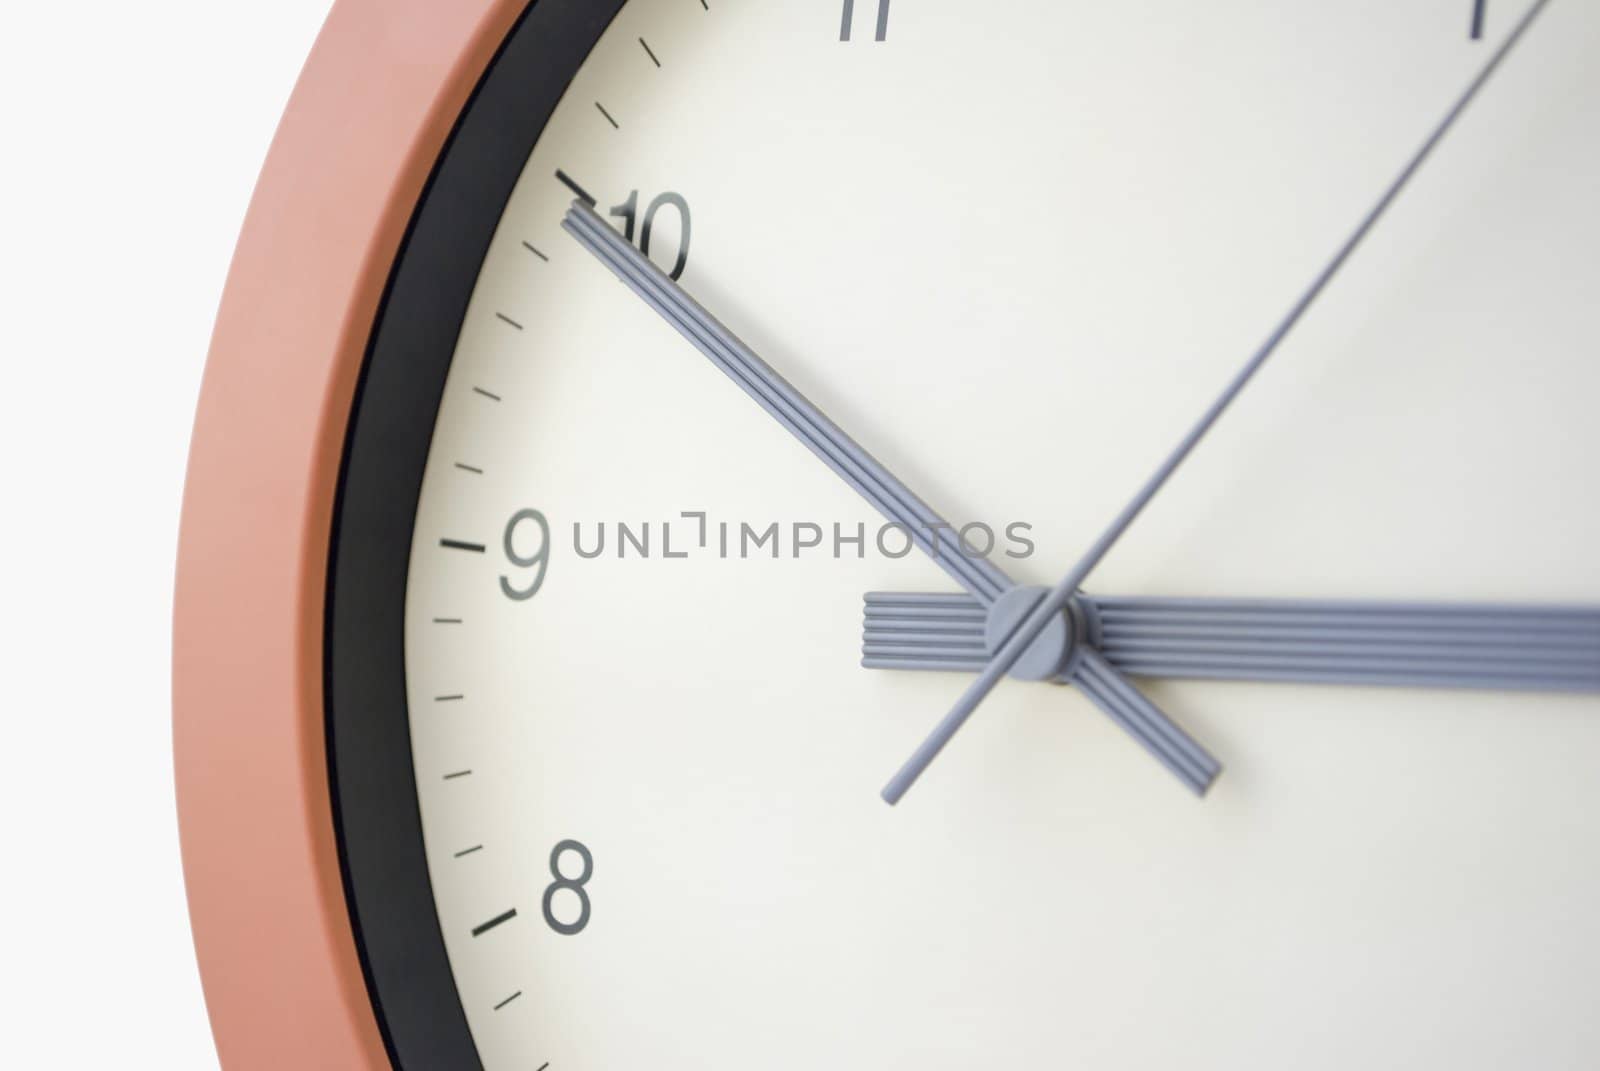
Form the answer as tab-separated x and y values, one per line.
850	18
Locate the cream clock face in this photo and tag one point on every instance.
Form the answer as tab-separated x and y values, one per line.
1016	249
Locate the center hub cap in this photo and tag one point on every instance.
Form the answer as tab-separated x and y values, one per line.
1048	653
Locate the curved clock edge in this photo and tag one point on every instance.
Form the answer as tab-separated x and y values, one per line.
373	107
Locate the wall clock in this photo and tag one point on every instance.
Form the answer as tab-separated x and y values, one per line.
633	428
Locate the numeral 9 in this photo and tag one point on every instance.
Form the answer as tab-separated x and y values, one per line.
539	560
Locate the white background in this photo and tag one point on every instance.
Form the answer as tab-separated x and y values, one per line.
133	134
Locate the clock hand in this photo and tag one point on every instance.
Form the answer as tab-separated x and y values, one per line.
1110	691
1057	656
985	581
982	578
924	631
1420	644
1438	645
1023	635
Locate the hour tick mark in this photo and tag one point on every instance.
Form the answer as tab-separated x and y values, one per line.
649	53
583	194
607	114
456	544
506	319
479	931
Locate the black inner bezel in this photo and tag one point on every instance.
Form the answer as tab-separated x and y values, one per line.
397	401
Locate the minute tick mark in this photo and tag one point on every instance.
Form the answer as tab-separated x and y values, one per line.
506	319
486	394
530	247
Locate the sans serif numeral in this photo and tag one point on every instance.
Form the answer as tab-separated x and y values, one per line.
848	22
571	885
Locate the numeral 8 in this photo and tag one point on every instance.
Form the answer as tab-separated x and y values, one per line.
575	885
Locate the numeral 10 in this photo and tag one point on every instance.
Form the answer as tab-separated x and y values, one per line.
628	212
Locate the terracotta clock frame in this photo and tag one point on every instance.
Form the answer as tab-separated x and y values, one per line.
374	107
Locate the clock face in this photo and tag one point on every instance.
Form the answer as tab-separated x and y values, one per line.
605	752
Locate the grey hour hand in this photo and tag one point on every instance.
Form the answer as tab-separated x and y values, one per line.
1431	645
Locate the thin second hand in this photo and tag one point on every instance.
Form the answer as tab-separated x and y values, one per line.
1026	631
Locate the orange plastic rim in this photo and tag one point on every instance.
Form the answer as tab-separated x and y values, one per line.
372	110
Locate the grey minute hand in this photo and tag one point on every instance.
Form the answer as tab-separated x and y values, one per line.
1023	634
985	582
1428	645
982	578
